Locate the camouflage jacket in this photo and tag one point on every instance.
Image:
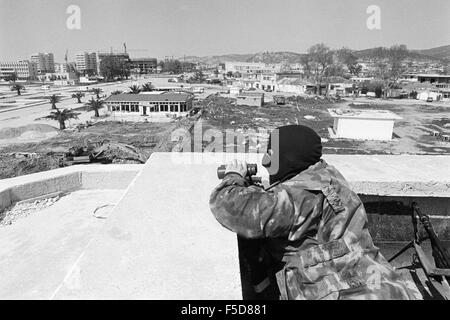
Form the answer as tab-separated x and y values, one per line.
317	227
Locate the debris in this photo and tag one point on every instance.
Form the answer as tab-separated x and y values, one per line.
23	209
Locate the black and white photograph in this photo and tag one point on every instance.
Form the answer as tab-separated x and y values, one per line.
224	154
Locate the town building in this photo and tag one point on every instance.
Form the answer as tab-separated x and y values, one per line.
251	69
146	104
248	98
45	62
433	78
294	85
267	82
363	124
23	69
86	62
120	56
144	65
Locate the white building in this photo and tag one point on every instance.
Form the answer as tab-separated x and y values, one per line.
146	104
23	69
251	69
293	85
363	124
44	61
86	62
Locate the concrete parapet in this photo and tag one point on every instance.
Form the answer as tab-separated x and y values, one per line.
66	180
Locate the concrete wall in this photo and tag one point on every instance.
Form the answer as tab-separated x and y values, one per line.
66	180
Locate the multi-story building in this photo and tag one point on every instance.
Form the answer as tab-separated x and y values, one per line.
144	65
251	69
86	62
45	62
121	56
23	69
60	67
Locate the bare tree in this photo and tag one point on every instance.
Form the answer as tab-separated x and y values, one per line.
389	65
320	60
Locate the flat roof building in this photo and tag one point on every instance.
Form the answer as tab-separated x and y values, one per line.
145	104
144	65
86	62
253	99
362	124
23	69
45	62
433	78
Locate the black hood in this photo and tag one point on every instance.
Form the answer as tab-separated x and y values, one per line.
294	149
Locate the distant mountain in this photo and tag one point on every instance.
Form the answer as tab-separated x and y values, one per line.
266	57
413	54
434	54
218	59
276	57
438	52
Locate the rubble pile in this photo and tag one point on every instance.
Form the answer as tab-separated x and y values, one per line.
24	209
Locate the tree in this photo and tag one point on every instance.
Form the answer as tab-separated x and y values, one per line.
78	96
114	67
147	87
229	74
94	105
135	89
389	65
11	77
346	57
97	92
62	116
54	99
320	59
116	92
199	76
17	87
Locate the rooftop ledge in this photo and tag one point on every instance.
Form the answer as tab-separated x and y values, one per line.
161	240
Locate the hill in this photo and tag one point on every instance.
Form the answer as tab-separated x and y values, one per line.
442	52
434	54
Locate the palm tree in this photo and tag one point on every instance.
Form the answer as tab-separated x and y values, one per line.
116	92
135	89
147	87
54	99
78	96
94	105
62	116
17	87
97	92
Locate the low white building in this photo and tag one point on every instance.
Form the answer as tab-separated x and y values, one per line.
146	104
363	124
293	85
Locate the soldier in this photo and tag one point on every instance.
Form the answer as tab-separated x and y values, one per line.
309	231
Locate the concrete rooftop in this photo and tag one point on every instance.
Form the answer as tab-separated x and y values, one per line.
161	240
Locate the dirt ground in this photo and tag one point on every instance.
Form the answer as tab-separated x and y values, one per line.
411	134
25	158
23	155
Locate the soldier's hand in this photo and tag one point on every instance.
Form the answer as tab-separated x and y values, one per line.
237	166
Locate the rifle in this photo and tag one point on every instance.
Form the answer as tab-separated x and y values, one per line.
439	275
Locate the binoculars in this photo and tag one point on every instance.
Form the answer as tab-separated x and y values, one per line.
252	169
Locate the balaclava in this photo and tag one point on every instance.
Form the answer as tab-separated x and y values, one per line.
296	147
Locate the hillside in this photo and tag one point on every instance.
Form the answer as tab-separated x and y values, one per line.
276	57
442	52
266	57
412	54
433	54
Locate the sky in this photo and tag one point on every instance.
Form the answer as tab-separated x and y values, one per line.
159	28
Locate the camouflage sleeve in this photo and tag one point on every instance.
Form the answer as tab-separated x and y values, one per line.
250	211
